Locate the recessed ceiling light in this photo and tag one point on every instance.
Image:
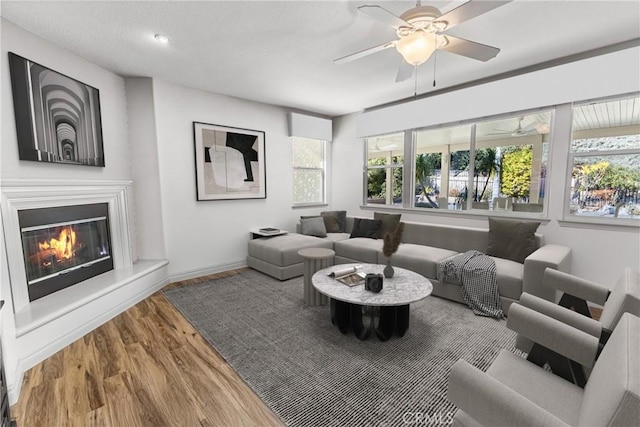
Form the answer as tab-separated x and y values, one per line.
160	38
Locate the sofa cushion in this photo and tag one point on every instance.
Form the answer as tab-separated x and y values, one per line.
366	228
510	239
389	222
509	276
341	218
423	260
313	226
336	237
359	248
283	250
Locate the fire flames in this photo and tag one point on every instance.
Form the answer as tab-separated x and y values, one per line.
62	247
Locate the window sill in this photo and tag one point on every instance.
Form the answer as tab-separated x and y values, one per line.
309	205
601	223
473	213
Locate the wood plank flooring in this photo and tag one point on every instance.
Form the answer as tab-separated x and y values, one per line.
146	367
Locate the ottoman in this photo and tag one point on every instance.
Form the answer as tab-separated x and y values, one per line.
278	256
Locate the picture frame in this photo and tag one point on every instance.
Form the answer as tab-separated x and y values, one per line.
58	118
230	162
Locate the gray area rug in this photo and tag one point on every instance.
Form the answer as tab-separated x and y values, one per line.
310	374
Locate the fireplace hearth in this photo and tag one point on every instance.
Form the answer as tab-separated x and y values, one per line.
63	246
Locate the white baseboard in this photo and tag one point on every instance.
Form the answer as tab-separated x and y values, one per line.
191	274
157	281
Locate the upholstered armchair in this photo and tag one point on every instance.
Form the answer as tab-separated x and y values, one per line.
514	391
573	310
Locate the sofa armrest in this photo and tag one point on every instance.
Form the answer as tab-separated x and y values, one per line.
557	257
491	403
553	334
576	286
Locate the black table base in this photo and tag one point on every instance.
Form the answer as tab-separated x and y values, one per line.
363	320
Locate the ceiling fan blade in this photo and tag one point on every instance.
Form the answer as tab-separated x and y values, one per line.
470	49
383	15
469	10
363	53
405	71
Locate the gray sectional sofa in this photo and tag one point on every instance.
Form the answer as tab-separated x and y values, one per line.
423	247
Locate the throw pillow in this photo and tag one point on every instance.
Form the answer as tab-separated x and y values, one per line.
330	222
510	239
341	216
389	222
313	226
366	228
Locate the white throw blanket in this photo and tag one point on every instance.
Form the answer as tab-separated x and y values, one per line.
476	273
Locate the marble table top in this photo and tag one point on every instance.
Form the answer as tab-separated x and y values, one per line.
403	288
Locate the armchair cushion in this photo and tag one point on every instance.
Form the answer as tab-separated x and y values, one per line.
492	403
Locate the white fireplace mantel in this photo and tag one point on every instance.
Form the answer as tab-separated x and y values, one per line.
21	194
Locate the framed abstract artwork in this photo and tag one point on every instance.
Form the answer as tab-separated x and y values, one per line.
57	117
229	162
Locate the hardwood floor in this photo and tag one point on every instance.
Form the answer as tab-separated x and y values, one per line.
146	367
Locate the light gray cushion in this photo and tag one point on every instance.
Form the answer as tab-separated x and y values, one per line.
423	260
624	298
509	277
611	396
509	239
283	250
359	249
389	222
547	390
313	226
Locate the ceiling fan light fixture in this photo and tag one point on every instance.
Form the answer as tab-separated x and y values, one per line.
416	48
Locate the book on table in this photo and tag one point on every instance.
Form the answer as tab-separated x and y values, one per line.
349	276
269	230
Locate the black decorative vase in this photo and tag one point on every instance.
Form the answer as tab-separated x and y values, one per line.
388	270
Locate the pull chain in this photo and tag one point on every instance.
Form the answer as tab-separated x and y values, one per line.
435	61
415	84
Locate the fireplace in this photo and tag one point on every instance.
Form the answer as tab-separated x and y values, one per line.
64	245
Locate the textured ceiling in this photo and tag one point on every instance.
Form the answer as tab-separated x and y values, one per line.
281	53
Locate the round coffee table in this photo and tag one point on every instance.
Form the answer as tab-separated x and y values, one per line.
390	306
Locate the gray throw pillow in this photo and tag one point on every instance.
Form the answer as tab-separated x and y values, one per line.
366	228
510	239
389	222
341	216
330	222
313	226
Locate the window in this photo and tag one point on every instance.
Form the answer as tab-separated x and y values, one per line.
511	162
605	160
385	159
506	171
309	167
441	167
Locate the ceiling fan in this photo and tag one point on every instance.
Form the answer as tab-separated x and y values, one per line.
420	33
535	128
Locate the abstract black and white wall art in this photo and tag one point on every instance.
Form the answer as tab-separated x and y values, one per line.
57	117
229	162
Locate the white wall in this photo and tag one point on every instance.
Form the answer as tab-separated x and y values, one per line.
145	173
203	237
599	253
